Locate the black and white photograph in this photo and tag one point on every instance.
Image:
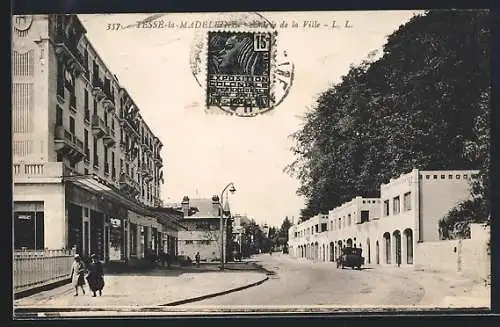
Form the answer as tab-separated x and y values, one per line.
250	162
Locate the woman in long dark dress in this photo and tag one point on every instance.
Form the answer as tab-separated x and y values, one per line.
95	277
78	274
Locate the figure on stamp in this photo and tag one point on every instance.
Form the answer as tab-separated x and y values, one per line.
234	54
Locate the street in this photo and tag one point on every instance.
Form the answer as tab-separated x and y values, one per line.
298	282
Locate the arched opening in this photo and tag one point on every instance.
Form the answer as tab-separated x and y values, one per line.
324	253
396	235
349	243
408	234
377	253
316	251
332	251
368	254
387	247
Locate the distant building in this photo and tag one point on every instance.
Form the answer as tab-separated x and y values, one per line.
386	228
202	234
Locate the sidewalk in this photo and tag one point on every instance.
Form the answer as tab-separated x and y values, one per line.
147	288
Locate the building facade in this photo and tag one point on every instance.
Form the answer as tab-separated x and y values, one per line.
86	167
202	234
386	228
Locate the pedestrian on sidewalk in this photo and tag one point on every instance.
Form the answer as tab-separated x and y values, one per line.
197	258
95	276
78	274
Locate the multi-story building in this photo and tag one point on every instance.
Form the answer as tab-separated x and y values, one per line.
86	167
202	219
386	228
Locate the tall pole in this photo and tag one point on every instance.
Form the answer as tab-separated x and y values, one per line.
222	225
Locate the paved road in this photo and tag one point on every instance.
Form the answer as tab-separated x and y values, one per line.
300	282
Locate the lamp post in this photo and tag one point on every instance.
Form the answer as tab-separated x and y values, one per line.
232	189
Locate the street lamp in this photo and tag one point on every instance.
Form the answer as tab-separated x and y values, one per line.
232	189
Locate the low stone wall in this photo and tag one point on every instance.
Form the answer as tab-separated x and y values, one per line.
469	256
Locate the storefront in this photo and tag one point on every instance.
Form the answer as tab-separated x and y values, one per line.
28	225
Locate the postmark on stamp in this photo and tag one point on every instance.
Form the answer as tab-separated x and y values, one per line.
238	70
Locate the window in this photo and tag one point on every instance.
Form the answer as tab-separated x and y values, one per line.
435	176
443	176
105	118
340	223
96	157
365	216
86	171
316	228
86	105
113	169
121	165
457	177
59	116
450	176
86	143
395	205
95	107
465	176
427	176
349	220
189	242
407	201
60	79
72	125
386	208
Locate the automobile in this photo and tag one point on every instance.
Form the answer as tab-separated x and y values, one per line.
351	257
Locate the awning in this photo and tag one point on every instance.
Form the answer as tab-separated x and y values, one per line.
94	184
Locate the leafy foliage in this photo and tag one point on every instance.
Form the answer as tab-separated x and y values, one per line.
418	106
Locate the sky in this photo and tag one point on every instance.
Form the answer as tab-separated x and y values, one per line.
203	152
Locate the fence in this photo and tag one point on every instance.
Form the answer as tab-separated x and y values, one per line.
35	268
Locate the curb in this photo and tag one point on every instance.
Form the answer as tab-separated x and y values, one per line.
27	309
41	288
208	296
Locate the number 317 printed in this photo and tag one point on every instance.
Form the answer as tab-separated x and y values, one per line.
261	41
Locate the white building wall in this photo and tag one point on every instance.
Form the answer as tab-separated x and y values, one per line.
440	191
428	200
205	242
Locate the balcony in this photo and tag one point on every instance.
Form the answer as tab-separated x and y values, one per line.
128	185
159	161
69	31
72	102
157	202
108	105
129	127
109	137
146	172
99	127
97	88
69	145
43	172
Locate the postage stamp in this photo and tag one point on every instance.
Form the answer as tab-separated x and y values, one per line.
239	70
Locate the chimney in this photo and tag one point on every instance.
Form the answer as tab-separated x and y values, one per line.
215	206
185	206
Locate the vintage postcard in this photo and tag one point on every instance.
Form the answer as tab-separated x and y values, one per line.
265	162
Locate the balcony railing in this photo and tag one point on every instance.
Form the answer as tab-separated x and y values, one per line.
99	127
146	172
97	88
72	102
109	137
35	268
68	145
159	161
129	185
31	172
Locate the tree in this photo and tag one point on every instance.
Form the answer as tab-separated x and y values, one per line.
415	107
